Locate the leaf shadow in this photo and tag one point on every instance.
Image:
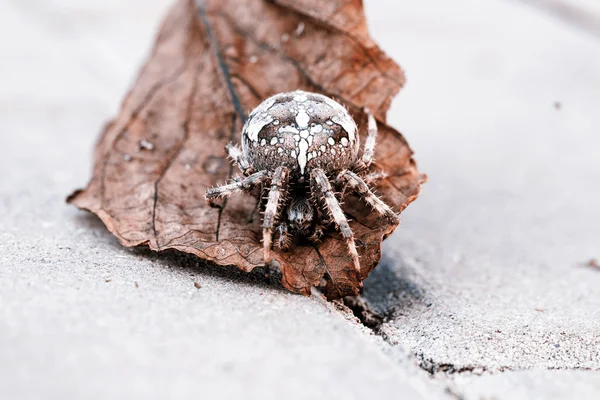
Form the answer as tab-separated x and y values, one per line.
184	261
392	288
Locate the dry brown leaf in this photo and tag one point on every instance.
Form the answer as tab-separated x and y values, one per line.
212	63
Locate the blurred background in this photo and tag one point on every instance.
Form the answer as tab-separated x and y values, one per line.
489	289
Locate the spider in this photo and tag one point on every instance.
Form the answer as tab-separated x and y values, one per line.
304	145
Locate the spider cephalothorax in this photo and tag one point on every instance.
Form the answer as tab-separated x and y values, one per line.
304	146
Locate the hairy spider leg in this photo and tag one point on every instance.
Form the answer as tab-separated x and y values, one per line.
283	240
370	141
354	183
374	177
272	210
237	155
320	184
238	185
317	234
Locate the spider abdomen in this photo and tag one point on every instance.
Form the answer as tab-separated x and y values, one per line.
301	131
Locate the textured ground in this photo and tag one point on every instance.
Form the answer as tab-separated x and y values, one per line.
484	287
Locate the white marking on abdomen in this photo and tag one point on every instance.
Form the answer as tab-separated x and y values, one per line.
302	119
300	96
255	125
302	147
288	129
348	124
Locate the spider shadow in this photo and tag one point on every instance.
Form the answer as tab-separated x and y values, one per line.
184	261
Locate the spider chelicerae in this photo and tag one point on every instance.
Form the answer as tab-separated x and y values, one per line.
305	147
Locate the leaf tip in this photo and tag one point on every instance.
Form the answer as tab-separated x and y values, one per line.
71	198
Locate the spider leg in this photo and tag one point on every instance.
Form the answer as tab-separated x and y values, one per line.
238	185
278	185
369	148
321	186
283	241
259	202
370	179
356	184
374	177
317	234
237	155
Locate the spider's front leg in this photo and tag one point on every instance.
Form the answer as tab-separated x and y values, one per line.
322	188
369	150
238	185
279	183
353	182
283	239
237	155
